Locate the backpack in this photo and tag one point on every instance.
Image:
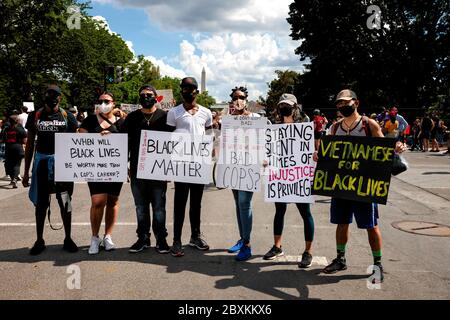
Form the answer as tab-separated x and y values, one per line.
365	126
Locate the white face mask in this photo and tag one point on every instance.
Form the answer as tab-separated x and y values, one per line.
105	108
240	104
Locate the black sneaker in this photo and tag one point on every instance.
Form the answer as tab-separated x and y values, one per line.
381	273
70	246
177	249
335	266
306	260
140	245
273	253
38	247
199	243
162	246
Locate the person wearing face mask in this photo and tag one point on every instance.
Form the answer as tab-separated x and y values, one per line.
14	137
147	192
104	195
242	199
341	210
288	111
189	118
391	126
42	125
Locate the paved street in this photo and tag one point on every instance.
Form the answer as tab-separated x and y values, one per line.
416	265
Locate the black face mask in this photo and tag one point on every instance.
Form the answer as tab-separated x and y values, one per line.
393	119
147	102
189	97
51	101
346	111
285	111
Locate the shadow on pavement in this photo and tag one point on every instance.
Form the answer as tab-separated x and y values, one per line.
215	263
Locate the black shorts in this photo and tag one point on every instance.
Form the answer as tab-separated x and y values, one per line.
110	188
318	135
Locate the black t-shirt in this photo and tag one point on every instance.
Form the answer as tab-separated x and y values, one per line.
427	124
47	125
134	123
92	125
13	138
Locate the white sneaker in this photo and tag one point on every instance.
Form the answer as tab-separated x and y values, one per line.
95	245
108	243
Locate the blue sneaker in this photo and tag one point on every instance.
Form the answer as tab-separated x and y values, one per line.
244	254
236	247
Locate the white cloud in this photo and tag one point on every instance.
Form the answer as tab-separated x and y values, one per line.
238	42
165	69
130	46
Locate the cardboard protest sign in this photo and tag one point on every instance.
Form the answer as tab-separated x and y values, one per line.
241	153
91	157
165	99
127	108
290	172
176	157
354	168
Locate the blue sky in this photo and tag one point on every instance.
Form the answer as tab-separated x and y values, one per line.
237	42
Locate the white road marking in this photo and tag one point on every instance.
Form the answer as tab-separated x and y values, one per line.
317	260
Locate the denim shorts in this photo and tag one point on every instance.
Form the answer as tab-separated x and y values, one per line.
342	212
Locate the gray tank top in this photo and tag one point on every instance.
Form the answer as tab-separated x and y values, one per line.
358	130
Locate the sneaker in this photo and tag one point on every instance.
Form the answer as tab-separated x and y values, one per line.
69	245
108	243
14	184
177	249
140	245
335	266
306	260
95	245
38	247
162	246
380	267
19	178
236	247
273	253
244	254
199	243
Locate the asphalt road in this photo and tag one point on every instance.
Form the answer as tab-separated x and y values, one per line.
416	266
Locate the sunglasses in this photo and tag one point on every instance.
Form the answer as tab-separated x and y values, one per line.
145	95
239	97
105	101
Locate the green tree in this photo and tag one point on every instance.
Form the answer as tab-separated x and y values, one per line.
284	83
205	100
405	62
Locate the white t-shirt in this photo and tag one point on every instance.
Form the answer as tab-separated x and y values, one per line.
185	122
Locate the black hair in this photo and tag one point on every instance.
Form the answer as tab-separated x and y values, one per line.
242	89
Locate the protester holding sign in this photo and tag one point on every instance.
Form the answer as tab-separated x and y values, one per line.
189	118
147	192
342	210
288	112
104	195
242	198
42	125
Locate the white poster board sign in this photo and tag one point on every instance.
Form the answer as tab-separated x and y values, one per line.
128	108
290	171
91	157
180	157
165	99
241	153
29	105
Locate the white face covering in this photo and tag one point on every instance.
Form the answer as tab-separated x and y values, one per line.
240	104
105	108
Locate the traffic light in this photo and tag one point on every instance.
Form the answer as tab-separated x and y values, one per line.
109	74
119	74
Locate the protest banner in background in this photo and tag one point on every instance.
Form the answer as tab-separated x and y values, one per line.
354	168
29	105
177	157
165	99
91	157
290	172
241	153
127	108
